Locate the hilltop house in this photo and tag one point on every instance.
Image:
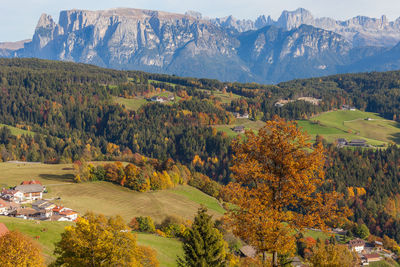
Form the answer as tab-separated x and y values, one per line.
238	129
357	142
31	191
371	257
241	116
341	142
357	245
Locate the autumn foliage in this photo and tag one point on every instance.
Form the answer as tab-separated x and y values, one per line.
99	241
17	249
277	174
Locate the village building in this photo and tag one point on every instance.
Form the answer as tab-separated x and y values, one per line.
31	191
238	129
3	229
4	207
31	182
341	142
368	258
237	115
347	107
25	213
69	214
12	195
357	142
248	251
357	245
44	207
378	245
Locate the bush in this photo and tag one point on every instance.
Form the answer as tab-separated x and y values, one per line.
146	224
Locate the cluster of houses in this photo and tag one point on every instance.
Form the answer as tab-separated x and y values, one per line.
347	107
312	100
341	142
26	201
238	115
162	99
369	252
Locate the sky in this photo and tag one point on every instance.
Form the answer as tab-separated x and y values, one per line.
18	18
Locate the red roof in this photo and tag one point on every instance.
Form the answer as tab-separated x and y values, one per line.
67	212
372	256
3	229
57	208
31	182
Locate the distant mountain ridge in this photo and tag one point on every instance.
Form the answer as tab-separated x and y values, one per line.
297	45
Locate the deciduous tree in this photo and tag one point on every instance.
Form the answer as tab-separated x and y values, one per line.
277	174
17	249
99	241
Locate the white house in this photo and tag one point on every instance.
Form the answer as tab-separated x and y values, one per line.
357	245
12	195
31	191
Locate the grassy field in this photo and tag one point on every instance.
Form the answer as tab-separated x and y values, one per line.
107	198
48	232
248	125
353	125
131	103
17	131
168	249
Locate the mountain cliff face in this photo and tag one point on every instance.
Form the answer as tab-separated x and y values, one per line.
264	50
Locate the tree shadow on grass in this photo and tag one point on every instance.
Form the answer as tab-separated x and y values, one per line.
60	178
395	137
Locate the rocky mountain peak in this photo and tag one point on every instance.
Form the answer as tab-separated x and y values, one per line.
293	19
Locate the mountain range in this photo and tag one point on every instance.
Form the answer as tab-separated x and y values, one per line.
296	45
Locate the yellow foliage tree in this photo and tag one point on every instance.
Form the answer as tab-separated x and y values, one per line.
333	256
276	174
17	249
99	241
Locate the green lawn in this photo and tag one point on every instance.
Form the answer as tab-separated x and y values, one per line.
154	81
131	103
107	198
248	125
168	249
48	232
353	125
17	131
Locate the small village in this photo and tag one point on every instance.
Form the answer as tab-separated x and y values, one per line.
26	201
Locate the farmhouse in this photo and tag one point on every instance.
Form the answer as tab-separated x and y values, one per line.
4	206
44	207
372	257
341	142
357	244
31	182
248	251
69	214
241	116
357	142
12	195
31	191
238	129
25	213
347	107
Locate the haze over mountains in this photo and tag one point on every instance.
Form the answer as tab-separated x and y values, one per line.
297	45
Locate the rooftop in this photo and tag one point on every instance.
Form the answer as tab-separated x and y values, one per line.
30	188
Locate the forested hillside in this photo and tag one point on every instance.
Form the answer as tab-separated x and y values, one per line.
71	114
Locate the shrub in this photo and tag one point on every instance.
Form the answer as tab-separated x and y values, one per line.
146	224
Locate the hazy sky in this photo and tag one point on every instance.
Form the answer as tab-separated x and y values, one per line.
18	18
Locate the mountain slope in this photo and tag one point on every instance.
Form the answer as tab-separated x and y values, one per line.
295	46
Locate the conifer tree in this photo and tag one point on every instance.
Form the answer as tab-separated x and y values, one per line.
203	245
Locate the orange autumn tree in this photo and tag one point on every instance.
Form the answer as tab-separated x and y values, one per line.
276	176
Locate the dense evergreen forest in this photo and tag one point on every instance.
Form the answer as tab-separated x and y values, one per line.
70	108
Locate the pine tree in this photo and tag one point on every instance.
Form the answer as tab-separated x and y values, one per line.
203	245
